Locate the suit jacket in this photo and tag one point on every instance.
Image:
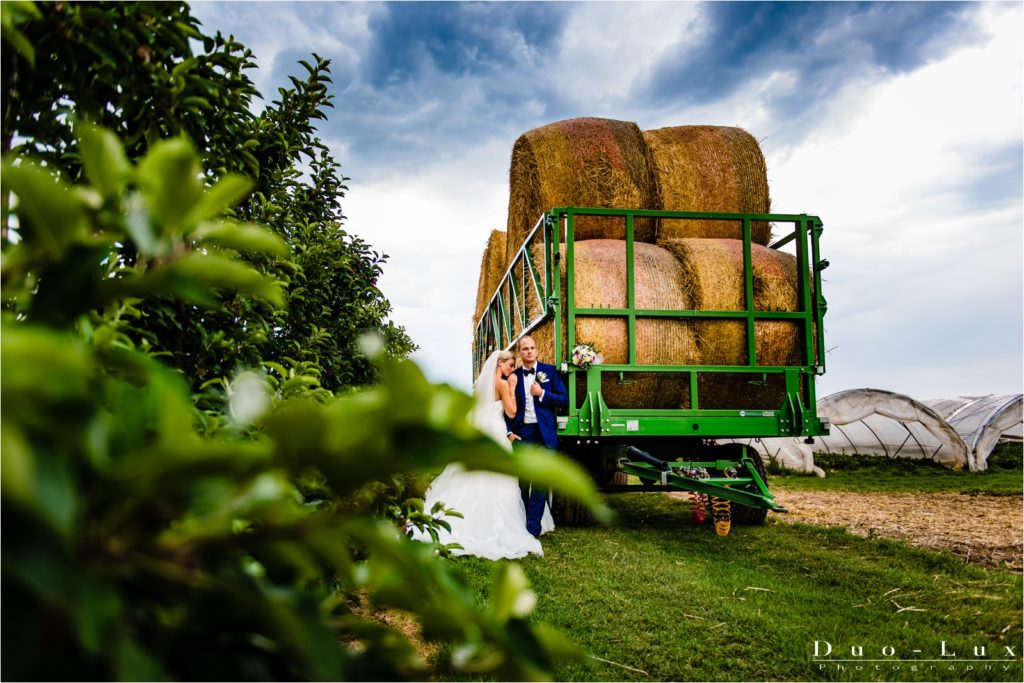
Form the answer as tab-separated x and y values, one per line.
555	397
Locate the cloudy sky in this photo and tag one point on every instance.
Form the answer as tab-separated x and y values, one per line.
900	124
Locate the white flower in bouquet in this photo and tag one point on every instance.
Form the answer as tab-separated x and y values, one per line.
584	355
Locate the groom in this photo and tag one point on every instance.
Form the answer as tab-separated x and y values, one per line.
539	393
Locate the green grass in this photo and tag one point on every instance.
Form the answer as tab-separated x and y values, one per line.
656	592
848	473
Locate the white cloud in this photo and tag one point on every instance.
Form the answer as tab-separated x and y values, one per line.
888	168
925	285
748	108
607	46
433	222
339	31
915	257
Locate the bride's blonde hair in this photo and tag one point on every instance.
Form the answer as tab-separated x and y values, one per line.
505	355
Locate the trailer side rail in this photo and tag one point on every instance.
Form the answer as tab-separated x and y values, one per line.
529	296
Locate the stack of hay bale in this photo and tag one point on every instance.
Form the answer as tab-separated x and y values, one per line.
678	264
492	268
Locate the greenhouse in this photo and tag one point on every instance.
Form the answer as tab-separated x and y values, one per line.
956	433
982	421
883	423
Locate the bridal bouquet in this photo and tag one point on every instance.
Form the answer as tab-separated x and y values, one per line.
585	355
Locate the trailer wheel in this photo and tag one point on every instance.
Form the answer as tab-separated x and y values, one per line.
618	478
567	511
742	514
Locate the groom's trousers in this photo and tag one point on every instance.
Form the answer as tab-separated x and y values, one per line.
534	497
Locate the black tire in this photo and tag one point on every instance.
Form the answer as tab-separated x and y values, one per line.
618	478
569	512
743	514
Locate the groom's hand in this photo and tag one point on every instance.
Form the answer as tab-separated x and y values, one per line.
535	389
513	437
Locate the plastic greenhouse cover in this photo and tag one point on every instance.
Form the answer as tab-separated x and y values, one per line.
982	421
884	423
873	422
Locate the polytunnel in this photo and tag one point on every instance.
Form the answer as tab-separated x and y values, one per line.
982	421
883	423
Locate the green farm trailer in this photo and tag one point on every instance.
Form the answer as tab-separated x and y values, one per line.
676	447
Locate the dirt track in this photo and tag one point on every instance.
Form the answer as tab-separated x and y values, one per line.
985	530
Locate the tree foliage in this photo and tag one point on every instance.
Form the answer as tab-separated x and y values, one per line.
141	543
146	72
166	515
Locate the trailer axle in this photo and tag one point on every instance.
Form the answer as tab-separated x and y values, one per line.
671	474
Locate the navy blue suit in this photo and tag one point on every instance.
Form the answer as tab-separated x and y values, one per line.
543	433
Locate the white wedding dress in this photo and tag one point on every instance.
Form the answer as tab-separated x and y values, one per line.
494	518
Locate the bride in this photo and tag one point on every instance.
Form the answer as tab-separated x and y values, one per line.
494	518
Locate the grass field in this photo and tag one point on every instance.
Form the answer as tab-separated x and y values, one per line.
672	601
848	473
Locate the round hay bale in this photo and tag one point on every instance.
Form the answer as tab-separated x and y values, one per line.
581	162
779	342
600	282
709	168
713	273
492	268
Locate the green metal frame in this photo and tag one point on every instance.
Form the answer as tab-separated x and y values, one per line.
506	321
720	487
508	305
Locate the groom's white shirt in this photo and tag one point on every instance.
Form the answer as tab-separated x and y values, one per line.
529	413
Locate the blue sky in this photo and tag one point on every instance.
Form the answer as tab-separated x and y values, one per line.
900	124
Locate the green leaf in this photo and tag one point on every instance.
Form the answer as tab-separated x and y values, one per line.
546	469
13	13
55	497
42	561
219	272
276	367
169	178
106	164
16	464
556	644
96	612
195	277
52	215
135	664
66	287
250	161
297	383
41	366
188	30
511	596
195	103
175	417
241	237
440	623
186	65
225	194
140	227
19	42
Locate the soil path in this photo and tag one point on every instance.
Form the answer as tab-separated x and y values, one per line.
985	530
